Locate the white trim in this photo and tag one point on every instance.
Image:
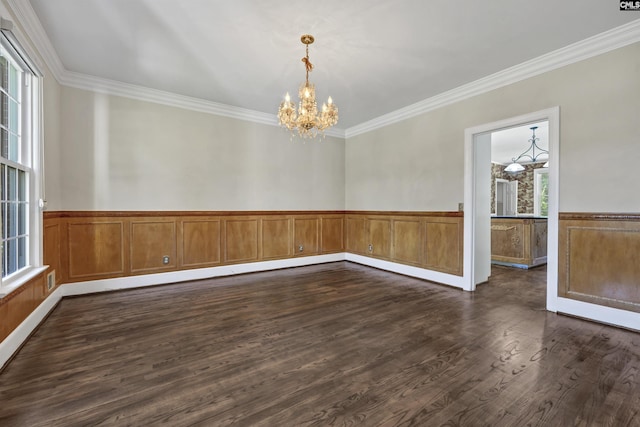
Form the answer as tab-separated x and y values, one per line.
407	270
599	313
19	335
130	282
20	278
116	88
553	116
12	343
584	49
29	20
590	47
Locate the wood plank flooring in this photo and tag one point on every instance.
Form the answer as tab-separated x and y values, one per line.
330	345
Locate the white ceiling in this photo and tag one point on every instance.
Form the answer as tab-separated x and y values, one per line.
371	56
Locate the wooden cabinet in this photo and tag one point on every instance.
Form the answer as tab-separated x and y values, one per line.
519	242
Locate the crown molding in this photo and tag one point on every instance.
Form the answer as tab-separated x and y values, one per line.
29	21
601	43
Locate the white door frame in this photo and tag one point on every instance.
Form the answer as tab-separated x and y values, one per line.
552	115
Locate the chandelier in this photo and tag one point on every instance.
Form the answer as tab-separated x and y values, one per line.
533	157
306	119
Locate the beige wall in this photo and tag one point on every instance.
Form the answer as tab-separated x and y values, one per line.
124	154
418	164
52	148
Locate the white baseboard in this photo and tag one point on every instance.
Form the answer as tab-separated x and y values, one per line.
130	282
599	313
408	270
19	335
14	341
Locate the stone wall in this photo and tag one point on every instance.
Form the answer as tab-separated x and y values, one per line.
525	185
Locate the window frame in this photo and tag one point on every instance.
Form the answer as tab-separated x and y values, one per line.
30	158
537	189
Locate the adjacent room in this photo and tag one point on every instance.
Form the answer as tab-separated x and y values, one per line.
319	213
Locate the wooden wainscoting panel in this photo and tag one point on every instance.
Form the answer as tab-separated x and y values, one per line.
5	326
305	236
241	239
598	262
356	235
151	240
201	242
277	240
379	233
19	304
407	240
443	246
51	248
95	249
332	234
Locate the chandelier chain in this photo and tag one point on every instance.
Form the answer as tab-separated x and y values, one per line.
306	119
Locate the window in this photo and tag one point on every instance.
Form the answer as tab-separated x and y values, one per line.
19	150
541	192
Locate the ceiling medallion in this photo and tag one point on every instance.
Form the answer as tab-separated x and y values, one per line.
306	120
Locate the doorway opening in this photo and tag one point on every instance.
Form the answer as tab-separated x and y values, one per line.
478	206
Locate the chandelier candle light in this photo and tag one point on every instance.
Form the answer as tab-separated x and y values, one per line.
306	119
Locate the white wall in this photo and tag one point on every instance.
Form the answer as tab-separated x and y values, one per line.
418	164
125	154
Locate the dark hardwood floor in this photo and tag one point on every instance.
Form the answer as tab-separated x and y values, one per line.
331	345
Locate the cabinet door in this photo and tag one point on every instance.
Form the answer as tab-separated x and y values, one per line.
379	244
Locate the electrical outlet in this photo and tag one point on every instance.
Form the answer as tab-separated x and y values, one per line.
460	207
51	280
165	259
370	248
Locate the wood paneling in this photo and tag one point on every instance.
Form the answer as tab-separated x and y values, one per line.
443	250
241	240
201	243
328	345
379	233
51	248
598	261
150	242
305	236
356	234
95	249
332	234
20	303
277	241
407	240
